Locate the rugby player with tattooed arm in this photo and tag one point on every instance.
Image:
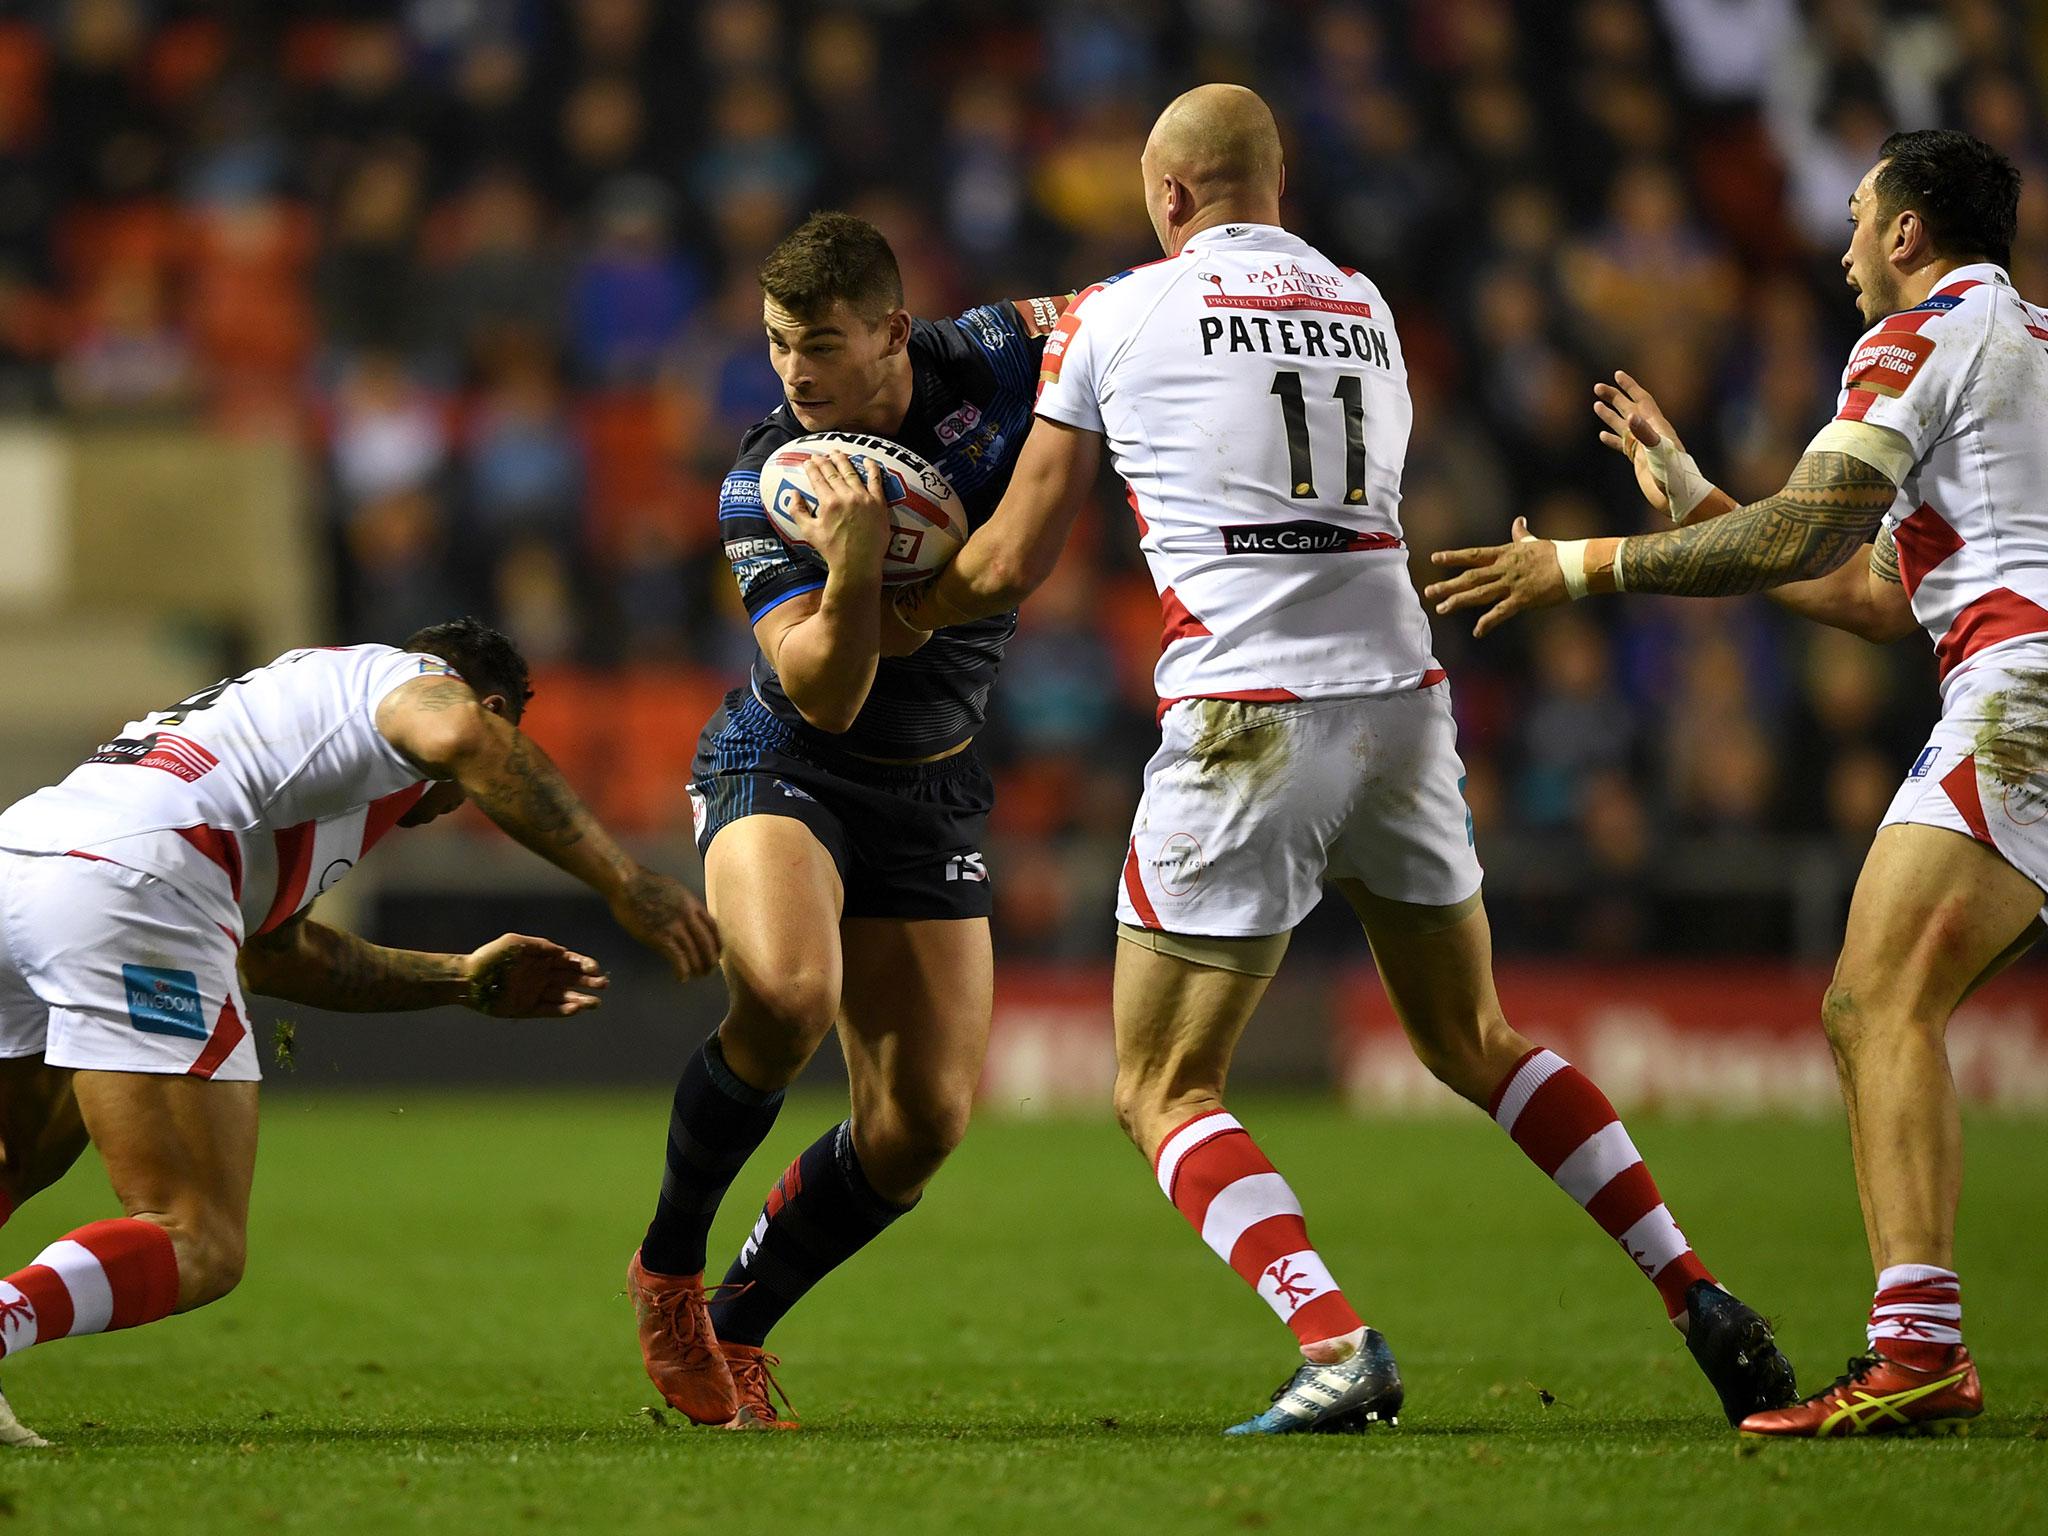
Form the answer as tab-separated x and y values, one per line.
1921	502
178	865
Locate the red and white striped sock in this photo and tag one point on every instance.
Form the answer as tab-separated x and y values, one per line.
107	1275
1916	1318
1560	1118
1213	1171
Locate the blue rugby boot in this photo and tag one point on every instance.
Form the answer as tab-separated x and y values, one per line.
1734	1347
1346	1398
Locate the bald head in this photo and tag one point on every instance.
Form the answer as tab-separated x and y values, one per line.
1213	156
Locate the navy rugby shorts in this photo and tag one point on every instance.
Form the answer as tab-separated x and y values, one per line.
906	838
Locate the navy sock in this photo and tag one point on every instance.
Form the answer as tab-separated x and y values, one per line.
714	1128
821	1212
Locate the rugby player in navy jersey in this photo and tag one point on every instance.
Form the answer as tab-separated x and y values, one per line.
839	807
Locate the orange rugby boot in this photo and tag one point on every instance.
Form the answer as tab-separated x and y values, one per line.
1883	1396
751	1379
678	1346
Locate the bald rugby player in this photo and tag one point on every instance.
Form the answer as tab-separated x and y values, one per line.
1253	395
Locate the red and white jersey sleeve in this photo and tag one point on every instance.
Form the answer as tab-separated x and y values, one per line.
251	797
1963	377
1254	399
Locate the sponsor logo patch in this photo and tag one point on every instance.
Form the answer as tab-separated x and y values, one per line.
1305	537
742	488
1045	314
1180	864
1924	762
1887	362
959	424
164	1002
176	755
966	866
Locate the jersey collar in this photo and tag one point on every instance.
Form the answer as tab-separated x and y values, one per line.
1231	234
1976	271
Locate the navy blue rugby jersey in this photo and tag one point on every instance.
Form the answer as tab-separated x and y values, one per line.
974	379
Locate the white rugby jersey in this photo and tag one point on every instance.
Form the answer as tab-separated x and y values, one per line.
252	796
1254	399
1963	377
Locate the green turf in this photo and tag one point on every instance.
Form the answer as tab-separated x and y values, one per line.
433	1338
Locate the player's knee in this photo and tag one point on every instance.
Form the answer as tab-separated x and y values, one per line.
1150	1107
1472	1059
213	1251
797	1007
901	1151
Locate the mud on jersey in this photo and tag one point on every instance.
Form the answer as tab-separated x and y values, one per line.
972	381
250	797
1253	396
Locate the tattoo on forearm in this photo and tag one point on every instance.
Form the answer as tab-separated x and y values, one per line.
1825	513
1884	559
526	791
327	968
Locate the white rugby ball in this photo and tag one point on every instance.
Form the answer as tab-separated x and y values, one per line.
927	521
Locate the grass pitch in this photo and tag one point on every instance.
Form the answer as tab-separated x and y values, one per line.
433	1338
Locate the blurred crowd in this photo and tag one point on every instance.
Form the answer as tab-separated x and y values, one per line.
491	262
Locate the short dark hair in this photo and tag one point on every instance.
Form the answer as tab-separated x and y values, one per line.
482	657
1968	193
833	256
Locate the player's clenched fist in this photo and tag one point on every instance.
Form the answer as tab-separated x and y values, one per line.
665	916
850	525
520	977
1504	579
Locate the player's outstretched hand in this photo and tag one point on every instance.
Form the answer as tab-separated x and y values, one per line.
519	977
667	917
849	527
1504	579
1631	423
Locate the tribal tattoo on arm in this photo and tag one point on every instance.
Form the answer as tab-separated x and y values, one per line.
1826	512
1884	559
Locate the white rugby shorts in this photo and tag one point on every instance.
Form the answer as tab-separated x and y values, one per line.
106	968
1984	770
1250	807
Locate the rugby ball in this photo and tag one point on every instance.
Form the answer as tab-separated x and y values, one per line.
927	521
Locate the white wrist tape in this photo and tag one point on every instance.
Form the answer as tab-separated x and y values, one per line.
1680	476
1571	559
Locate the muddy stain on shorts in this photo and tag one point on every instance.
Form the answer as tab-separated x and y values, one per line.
1241	741
2011	744
2012	739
